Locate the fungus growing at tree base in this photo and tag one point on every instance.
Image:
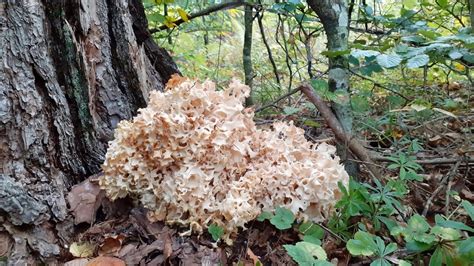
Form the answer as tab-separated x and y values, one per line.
194	157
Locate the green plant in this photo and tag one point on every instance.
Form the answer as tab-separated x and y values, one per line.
282	219
407	167
365	244
306	253
215	231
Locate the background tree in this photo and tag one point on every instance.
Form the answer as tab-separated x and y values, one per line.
71	70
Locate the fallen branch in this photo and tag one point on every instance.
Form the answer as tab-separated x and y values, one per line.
428	161
203	12
354	145
444	182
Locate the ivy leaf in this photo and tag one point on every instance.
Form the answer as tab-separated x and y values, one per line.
215	231
362	244
389	60
418	61
283	218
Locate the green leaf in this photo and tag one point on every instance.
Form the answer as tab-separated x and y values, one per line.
469	208
332	54
305	253
410	4
264	216
452	224
418	61
311	229
466	247
442	3
312	123
389	60
215	231
283	218
362	244
403	263
455	54
418	223
291	110
364	53
380	262
449	234
390	248
416	246
437	257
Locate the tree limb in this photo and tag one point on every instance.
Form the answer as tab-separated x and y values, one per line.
339	132
203	12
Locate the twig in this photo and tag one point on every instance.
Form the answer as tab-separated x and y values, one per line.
203	12
277	100
443	182
267	46
428	161
379	85
339	132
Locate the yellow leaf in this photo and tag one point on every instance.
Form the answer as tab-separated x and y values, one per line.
459	66
183	14
82	250
170	22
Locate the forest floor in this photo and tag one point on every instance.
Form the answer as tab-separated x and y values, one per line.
120	229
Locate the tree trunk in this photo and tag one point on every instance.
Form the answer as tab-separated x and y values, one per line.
247	51
334	17
70	71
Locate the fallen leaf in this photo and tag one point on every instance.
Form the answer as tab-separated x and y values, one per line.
82	250
168	248
106	261
85	199
111	245
77	262
445	112
256	260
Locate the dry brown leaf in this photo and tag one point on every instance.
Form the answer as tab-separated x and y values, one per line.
106	261
168	248
85	198
111	245
253	257
77	262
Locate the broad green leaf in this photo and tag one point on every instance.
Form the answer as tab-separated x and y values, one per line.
469	208
403	263
305	253
437	257
215	231
309	228
446	233
389	60
466	247
410	4
416	246
364	53
418	61
455	54
283	218
264	216
362	244
442	3
390	248
380	262
452	224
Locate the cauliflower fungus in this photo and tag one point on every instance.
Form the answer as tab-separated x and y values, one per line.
195	157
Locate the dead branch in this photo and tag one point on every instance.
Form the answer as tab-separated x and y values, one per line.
339	132
203	12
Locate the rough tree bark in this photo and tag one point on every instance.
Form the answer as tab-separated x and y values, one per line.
334	17
69	72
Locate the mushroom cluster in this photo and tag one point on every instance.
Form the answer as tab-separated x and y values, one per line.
195	157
